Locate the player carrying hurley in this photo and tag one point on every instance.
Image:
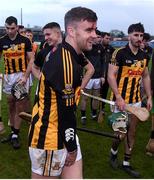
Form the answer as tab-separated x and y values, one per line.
128	66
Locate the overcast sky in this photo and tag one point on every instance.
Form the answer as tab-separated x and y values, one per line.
112	14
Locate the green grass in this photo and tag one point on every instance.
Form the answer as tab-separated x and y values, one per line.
14	163
95	150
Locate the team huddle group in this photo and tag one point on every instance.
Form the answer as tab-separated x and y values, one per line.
82	59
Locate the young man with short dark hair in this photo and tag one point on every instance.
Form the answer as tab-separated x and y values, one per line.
145	45
108	51
17	53
53	144
21	30
95	56
128	66
53	37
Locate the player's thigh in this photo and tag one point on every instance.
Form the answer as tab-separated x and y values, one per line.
47	163
83	97
96	92
73	172
36	176
133	120
20	105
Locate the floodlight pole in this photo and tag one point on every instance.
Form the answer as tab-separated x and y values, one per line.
21	16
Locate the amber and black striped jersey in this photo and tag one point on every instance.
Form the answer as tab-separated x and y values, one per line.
53	119
14	53
41	56
129	74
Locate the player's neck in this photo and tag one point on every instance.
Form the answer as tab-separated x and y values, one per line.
13	37
73	44
133	49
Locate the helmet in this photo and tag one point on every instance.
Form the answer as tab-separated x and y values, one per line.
19	91
118	121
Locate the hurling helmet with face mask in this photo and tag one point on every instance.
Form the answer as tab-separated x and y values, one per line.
118	121
19	91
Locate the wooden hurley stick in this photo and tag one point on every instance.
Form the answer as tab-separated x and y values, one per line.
140	112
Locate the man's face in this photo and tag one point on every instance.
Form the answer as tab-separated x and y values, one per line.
22	31
97	40
11	30
85	33
136	38
52	36
29	35
145	42
106	40
142	45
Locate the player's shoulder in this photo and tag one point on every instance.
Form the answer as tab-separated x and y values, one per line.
45	50
53	62
143	54
23	38
54	57
119	51
3	37
122	49
111	48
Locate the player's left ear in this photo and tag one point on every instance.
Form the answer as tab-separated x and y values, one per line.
128	37
71	31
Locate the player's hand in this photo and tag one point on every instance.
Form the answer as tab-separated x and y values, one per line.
149	103
71	157
22	80
120	103
102	80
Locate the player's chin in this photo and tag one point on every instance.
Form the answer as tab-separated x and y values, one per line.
138	44
50	43
89	47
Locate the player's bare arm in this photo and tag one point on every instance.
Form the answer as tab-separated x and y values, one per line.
36	71
87	76
147	87
30	57
113	84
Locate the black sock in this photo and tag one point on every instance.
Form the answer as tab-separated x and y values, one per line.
83	113
94	112
16	131
114	153
12	128
0	119
127	157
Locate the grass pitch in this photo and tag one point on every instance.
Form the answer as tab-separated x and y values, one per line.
15	164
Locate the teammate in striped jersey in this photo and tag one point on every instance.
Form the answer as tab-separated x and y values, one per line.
18	57
53	144
128	66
